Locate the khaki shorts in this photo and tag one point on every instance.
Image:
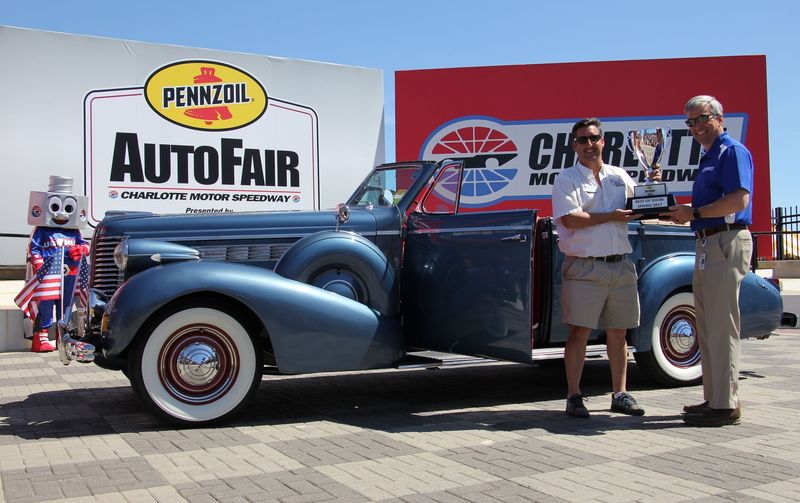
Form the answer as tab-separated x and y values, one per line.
597	294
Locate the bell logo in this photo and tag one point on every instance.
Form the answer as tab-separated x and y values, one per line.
205	95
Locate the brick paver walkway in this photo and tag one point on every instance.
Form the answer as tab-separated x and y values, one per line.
488	433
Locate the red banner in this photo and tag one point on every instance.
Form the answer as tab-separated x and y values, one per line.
513	122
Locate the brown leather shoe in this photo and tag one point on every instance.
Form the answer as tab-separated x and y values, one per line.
714	417
695	409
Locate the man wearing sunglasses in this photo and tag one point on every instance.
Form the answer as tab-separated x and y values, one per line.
720	212
598	288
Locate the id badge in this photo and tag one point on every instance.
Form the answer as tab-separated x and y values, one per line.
702	263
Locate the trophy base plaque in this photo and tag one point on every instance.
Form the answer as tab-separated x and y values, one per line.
650	200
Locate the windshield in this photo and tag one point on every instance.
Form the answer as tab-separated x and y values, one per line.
386	187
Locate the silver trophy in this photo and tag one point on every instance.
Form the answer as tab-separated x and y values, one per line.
649	146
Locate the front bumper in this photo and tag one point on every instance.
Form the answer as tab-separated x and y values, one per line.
78	334
70	349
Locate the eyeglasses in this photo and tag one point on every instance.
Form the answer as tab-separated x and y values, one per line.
700	119
583	140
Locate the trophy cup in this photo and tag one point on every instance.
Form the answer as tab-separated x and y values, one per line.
649	146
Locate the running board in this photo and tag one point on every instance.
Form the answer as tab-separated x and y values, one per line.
592	351
416	361
419	361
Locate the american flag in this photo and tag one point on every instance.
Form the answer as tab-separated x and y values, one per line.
44	285
82	283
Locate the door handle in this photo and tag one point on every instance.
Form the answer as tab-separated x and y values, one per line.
522	238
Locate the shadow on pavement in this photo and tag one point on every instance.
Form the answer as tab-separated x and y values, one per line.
387	400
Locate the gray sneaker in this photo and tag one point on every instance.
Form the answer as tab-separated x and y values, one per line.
626	404
575	407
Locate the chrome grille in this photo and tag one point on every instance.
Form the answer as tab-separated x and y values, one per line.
107	278
105	275
243	252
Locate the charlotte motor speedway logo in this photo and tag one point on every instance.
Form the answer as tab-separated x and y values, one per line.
485	150
519	160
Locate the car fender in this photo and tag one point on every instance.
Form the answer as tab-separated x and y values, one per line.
310	329
760	305
760	302
360	262
657	281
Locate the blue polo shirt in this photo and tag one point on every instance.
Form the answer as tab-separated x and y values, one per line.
726	167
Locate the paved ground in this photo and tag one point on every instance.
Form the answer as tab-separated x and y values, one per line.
479	434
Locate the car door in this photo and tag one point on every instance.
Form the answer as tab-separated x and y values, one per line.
467	276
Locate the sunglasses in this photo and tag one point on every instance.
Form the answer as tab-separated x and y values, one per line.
700	119
583	140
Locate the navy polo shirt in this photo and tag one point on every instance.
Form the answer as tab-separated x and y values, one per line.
726	167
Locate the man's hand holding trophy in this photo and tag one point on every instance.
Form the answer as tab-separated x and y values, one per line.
649	146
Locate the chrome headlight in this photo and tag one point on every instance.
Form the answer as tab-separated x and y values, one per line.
133	255
121	254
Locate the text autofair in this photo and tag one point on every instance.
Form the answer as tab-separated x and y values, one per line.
180	169
204	164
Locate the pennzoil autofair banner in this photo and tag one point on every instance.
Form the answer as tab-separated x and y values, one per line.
512	124
175	129
199	137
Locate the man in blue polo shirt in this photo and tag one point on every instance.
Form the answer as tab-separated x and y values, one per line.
720	212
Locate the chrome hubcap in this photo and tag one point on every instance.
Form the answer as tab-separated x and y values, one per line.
198	364
679	337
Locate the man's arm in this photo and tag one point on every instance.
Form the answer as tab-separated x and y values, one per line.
581	219
569	214
725	205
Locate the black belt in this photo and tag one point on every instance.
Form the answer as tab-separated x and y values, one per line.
710	231
609	258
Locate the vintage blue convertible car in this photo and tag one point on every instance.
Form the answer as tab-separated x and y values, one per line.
194	308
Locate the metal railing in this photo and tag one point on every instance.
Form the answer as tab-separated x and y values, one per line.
784	238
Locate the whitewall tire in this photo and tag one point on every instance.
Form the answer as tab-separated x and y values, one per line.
197	365
674	359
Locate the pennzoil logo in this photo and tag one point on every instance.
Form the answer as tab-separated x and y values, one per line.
205	95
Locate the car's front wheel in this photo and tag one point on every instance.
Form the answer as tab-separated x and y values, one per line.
195	365
674	359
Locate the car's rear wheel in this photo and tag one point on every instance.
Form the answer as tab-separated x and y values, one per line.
674	359
195	365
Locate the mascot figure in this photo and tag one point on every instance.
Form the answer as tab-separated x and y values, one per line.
55	256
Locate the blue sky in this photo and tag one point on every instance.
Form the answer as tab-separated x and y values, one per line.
415	34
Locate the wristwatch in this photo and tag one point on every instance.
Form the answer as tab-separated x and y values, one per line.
696	213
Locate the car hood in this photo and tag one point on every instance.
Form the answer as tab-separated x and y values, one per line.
180	227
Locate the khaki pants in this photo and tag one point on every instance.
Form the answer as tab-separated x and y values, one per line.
725	258
597	294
